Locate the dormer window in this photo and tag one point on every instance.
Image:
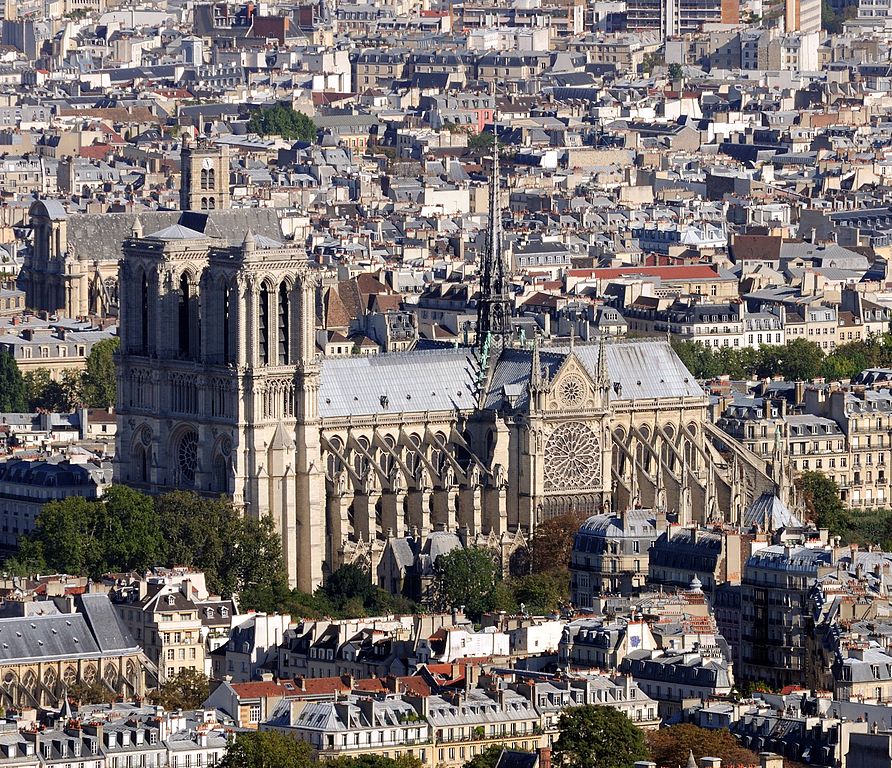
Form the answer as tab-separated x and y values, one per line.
171	599
224	612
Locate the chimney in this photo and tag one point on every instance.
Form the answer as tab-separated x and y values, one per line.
770	760
545	757
710	762
800	392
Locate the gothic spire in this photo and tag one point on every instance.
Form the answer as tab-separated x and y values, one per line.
603	381
494	306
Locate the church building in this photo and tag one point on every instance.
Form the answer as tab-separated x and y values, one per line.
221	390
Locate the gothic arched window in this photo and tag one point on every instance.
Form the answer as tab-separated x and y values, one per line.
144	314
141	456
228	352
221	467
184	319
212	203
204	203
212	180
284	326
204	179
264	326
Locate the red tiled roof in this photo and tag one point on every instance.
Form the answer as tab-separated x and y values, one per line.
413	685
258	690
372	685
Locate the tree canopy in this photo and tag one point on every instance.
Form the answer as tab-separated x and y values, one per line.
129	530
117	532
266	749
98	383
45	393
284	121
375	761
598	736
822	503
671	746
12	385
466	577
186	690
796	360
552	542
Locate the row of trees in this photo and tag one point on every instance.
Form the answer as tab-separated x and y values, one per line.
796	360
589	736
126	530
94	386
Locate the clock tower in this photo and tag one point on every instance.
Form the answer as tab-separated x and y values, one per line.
204	177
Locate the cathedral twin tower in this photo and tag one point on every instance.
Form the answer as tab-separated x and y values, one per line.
218	379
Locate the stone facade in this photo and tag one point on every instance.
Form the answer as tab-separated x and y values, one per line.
221	390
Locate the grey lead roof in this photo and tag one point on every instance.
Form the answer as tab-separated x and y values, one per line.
644	369
102	617
399	382
444	379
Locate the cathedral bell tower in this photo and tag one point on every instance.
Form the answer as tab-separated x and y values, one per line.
218	380
204	177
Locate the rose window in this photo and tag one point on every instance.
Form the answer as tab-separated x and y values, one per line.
571	390
187	456
572	458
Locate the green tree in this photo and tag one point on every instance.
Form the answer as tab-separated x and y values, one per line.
258	567
821	496
552	543
673	745
699	359
42	393
598	736
201	532
541	593
797	360
349	582
466	577
186	690
375	761
117	532
284	121
128	532
267	749
91	693
98	386
12	385
482	141
676	71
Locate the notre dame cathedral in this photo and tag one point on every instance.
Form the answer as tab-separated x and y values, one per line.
222	390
